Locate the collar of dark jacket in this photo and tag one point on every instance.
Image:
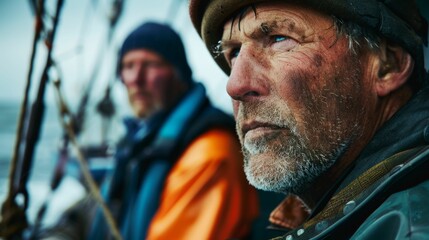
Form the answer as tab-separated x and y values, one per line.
407	129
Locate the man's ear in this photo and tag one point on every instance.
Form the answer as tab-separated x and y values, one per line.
396	66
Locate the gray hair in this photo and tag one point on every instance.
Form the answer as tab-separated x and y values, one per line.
357	35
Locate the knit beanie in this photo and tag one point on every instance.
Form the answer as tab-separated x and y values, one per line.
161	39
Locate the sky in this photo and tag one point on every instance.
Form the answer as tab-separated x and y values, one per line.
82	33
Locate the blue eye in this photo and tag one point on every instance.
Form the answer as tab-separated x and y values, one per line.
279	38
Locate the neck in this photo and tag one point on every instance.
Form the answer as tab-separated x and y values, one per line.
325	185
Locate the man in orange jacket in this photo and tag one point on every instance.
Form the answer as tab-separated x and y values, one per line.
178	173
191	163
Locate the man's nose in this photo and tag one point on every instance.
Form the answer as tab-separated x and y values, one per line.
246	81
136	77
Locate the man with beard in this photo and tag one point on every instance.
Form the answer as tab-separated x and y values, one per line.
331	101
178	169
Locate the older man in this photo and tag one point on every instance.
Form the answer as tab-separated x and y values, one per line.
178	169
178	172
331	100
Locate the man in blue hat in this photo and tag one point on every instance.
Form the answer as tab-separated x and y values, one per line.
331	100
178	169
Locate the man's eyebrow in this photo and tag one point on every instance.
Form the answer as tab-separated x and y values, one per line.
263	30
267	27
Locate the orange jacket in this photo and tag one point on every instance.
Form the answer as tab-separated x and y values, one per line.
206	195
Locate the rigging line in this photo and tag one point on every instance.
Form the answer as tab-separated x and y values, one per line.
67	123
37	112
57	176
24	104
33	6
85	22
10	211
77	49
113	17
13	219
106	106
116	11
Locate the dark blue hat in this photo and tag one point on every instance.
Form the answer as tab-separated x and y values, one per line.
161	39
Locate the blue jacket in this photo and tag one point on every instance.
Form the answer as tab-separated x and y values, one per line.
145	157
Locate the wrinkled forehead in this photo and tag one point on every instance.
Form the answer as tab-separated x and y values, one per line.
396	20
266	18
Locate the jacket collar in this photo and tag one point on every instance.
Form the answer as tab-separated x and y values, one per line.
407	129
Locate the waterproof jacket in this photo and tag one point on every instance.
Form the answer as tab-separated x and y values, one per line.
180	177
384	195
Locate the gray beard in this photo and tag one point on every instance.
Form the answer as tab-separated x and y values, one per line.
292	164
292	167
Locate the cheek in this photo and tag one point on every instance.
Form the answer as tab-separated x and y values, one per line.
162	91
157	83
299	72
312	90
296	85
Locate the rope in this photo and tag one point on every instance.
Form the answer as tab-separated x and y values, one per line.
67	123
13	219
24	104
116	10
37	112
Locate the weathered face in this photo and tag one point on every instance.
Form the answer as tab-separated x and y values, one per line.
151	82
297	93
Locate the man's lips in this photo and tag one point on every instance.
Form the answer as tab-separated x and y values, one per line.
258	126
140	96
